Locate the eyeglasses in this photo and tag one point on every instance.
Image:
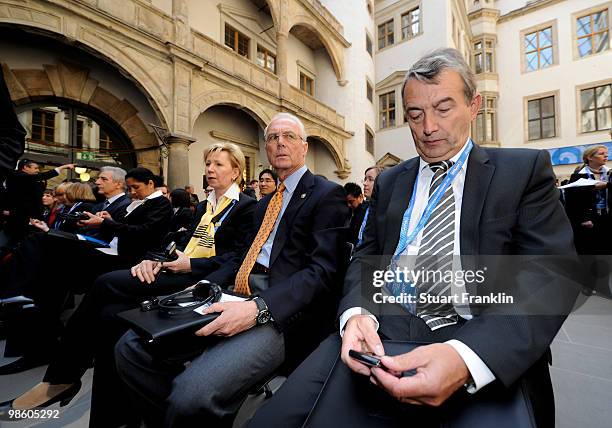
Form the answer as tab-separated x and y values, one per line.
292	137
368	180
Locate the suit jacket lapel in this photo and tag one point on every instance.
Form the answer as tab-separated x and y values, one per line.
400	197
301	193
477	180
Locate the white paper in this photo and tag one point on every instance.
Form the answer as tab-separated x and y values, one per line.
582	182
224	298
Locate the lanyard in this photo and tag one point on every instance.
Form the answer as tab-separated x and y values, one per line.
225	214
362	227
434	199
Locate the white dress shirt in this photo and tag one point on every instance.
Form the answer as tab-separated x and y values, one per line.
481	374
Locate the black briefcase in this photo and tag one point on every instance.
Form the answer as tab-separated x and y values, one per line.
172	315
371	407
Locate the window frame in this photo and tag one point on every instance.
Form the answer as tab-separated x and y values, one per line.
43	126
267	53
303	79
369	42
554	45
484	51
390	23
390	96
484	111
579	108
236	41
369	133
369	91
582	13
418	23
557	116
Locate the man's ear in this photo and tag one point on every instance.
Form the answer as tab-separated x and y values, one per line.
475	105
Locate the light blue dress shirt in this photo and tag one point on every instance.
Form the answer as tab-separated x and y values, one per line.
291	183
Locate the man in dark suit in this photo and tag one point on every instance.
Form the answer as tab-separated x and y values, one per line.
357	204
25	187
466	200
291	267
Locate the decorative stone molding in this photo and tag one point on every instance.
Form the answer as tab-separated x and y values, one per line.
70	82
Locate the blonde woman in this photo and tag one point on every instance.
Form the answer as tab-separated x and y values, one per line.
223	223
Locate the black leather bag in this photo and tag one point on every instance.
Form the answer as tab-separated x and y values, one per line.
172	315
371	407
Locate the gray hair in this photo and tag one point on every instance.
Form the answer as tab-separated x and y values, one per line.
431	65
117	173
292	118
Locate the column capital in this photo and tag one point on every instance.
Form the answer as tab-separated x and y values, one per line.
180	139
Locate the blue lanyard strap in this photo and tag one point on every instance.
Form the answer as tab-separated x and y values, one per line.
362	227
218	224
434	199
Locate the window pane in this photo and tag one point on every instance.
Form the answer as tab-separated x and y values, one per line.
587	99
604	97
587	121
546	37
489	62
531	42
584	46
548	107
600	20
478	46
390	39
391	100
415	28
261	60
604	118
383	102
548	127
601	42
584	26
383	120
381	31
532	61
478	63
392	118
479	127
533	109
271	63
489	124
546	57
534	130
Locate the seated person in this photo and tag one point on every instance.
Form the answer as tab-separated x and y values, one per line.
292	268
79	198
141	229
267	182
507	204
222	228
181	207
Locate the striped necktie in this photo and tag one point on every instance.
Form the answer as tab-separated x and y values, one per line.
241	285
436	253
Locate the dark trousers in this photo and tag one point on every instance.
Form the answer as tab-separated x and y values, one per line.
209	390
362	404
91	334
47	269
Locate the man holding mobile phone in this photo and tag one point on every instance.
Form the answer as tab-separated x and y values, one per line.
466	200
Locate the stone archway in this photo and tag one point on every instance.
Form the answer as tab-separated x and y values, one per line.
334	145
153	76
71	82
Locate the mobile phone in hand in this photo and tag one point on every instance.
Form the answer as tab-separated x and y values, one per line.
372	360
368	359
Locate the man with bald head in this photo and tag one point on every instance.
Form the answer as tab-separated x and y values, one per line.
453	204
292	270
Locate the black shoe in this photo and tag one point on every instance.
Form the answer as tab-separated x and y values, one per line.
63	398
22	364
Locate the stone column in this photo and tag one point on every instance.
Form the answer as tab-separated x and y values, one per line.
182	30
178	160
281	55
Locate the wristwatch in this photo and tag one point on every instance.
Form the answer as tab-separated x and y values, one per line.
263	314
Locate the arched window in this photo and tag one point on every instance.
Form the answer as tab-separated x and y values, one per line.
59	133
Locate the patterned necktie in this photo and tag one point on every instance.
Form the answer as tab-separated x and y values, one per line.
436	253
242	277
105	205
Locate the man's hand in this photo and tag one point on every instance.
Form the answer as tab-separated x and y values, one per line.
360	335
39	224
146	270
588	224
601	185
93	221
440	372
67	166
181	265
235	318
